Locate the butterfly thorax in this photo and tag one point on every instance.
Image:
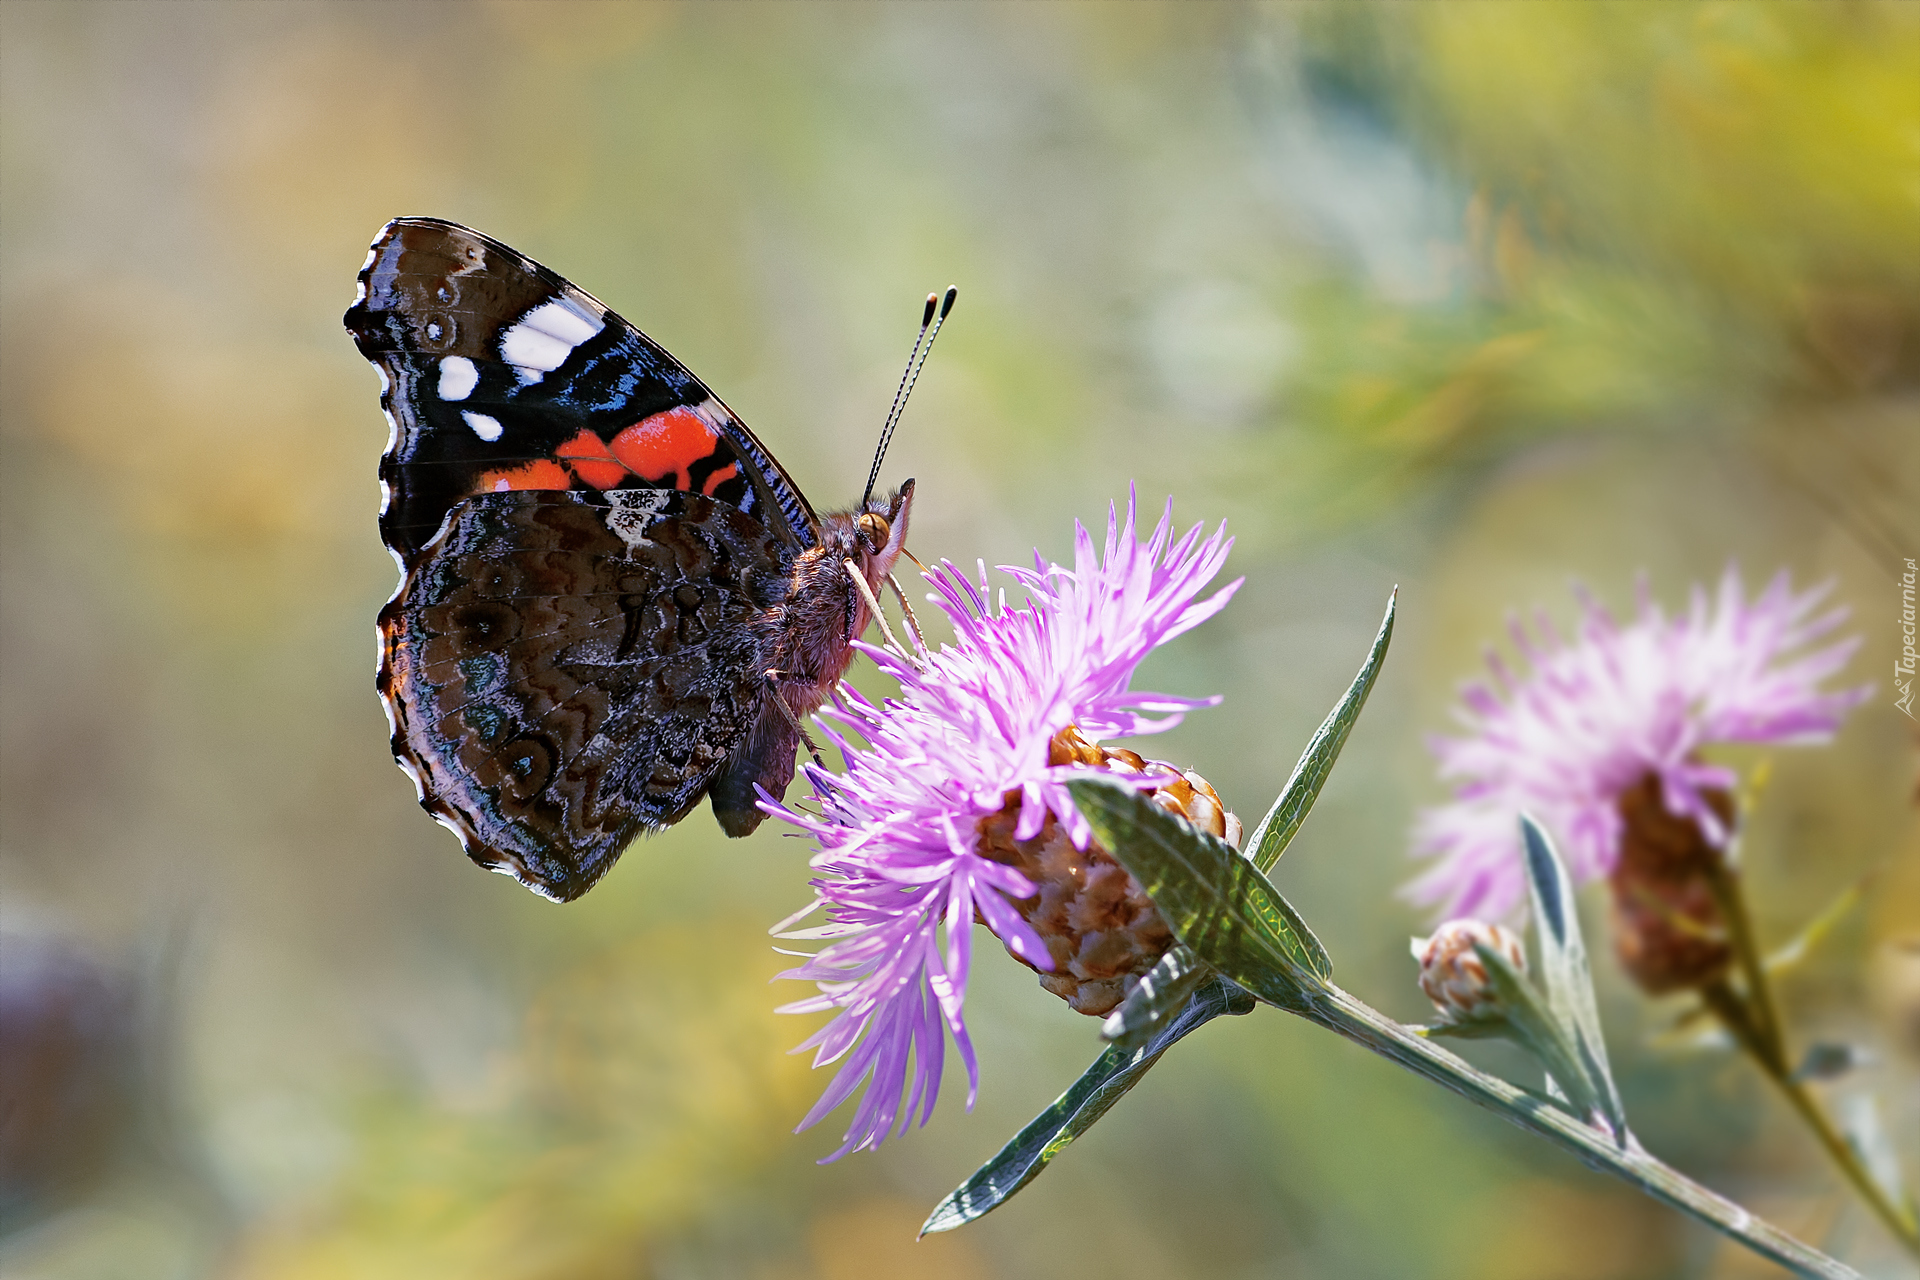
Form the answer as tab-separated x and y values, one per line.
824	612
810	636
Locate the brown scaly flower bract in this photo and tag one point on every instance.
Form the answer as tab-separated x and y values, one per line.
1668	929
1100	928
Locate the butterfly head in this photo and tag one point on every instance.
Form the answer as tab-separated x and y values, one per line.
880	531
866	540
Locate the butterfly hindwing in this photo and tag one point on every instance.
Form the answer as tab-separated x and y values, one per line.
568	669
501	375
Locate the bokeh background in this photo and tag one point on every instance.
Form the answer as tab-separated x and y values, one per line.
1477	299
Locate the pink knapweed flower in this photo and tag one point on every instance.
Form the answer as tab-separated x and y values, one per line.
897	830
1591	719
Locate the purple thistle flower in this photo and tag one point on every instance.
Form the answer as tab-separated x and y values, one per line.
1592	719
898	830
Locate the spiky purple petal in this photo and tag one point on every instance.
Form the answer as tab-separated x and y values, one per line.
1592	718
897	830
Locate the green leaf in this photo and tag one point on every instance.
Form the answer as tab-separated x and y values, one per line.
1213	899
1532	1023
1157	997
1563	967
1275	832
1075	1111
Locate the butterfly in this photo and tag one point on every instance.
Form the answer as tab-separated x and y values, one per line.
614	601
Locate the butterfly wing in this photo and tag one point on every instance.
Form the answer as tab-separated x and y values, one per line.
499	374
590	542
566	670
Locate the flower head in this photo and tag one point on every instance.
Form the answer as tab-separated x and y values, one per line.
1593	719
970	732
1452	974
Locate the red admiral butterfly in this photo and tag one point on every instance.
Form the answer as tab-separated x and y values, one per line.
613	599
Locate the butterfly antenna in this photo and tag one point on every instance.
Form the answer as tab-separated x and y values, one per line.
930	323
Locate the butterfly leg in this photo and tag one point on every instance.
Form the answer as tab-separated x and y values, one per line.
773	679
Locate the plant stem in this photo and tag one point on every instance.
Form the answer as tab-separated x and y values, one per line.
1753	1019
1623	1157
1768	1041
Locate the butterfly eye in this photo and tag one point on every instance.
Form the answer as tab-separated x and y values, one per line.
874	528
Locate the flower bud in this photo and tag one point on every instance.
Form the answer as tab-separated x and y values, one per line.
1667	927
1100	927
1451	973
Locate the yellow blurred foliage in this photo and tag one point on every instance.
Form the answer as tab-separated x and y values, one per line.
651	1077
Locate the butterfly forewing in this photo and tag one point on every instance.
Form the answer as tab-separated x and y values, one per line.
502	375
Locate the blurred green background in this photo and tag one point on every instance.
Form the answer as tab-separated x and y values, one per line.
1472	298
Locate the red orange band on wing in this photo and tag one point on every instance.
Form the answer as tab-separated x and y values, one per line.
719	478
592	461
666	444
538	474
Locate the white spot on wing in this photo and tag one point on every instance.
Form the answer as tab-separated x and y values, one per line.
546	336
458	377
532	354
486	428
564	319
630	513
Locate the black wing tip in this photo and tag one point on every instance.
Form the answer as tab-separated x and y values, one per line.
422	220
